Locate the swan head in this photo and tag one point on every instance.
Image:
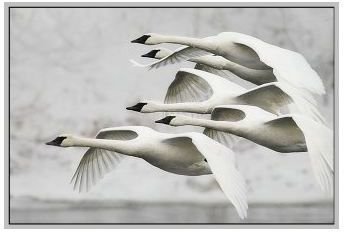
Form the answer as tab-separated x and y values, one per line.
145	107
138	107
174	120
158	53
149	39
62	141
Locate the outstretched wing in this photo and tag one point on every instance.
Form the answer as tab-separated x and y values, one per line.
191	85
303	101
269	97
179	55
188	87
97	162
224	138
319	140
222	163
272	97
288	66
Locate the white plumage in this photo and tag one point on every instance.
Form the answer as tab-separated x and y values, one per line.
287	66
185	154
196	91
286	134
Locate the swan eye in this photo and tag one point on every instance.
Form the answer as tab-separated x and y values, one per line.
206	160
57	141
141	40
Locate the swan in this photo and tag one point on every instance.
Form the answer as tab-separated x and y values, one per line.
284	134
244	50
190	154
218	66
196	91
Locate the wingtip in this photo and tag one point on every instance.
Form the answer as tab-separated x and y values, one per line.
135	63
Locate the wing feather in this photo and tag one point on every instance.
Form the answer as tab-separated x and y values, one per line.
187	87
319	140
97	162
179	55
267	96
222	163
224	138
288	66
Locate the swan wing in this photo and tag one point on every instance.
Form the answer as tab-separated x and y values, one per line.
97	162
192	85
137	64
273	96
303	101
179	55
188	87
224	138
288	66
319	140
222	73
269	97
222	163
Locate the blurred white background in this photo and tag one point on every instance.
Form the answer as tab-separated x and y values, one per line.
70	73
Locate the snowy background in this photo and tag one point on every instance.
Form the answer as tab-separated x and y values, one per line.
70	73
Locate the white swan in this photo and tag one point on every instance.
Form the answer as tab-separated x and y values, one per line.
286	133
196	91
244	50
218	66
185	154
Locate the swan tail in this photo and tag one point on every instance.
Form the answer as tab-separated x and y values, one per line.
319	140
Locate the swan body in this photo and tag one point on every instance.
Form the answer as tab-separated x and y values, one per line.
196	91
244	50
285	134
190	154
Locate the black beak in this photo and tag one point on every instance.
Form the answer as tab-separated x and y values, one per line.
141	40
52	143
165	120
151	54
138	107
160	121
56	142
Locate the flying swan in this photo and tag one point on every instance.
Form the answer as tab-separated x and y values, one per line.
196	91
191	154
287	66
285	134
218	66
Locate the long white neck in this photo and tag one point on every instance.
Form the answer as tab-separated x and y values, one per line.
225	126
190	107
216	62
254	76
119	146
188	41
